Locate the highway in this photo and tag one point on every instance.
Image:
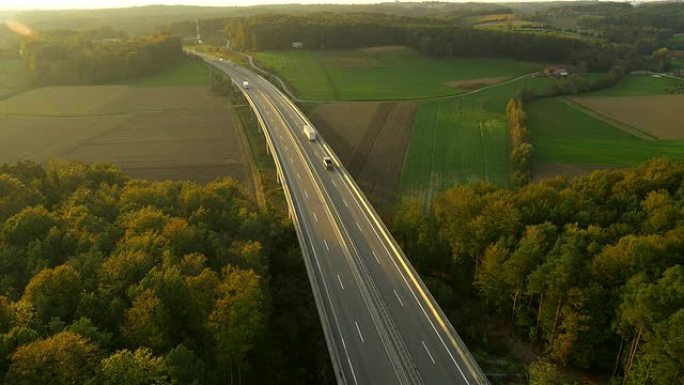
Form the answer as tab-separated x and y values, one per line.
381	324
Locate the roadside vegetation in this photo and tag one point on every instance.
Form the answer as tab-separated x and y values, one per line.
588	269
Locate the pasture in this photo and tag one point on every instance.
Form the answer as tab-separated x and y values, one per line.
641	85
461	139
384	73
157	133
563	133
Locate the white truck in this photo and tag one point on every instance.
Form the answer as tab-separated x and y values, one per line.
309	132
245	84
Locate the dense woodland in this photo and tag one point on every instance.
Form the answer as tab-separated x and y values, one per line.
431	36
108	280
71	57
590	269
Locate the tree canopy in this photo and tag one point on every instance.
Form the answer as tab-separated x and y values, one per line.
110	280
588	268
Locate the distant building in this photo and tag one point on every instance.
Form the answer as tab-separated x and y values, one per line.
558	71
297	44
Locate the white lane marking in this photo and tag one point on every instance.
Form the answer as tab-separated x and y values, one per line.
299	176
428	352
326	244
340	281
307	194
358	226
337	322
291	160
345	202
413	293
375	255
359	330
315	217
398	298
333	182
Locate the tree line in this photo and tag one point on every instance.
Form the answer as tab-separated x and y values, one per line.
521	148
71	57
109	280
431	35
590	269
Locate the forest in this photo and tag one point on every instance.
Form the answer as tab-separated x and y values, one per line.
60	57
590	269
109	280
432	36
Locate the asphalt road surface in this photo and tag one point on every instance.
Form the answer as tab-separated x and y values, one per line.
381	324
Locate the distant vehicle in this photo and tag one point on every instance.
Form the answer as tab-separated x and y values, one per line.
328	163
309	132
220	59
245	84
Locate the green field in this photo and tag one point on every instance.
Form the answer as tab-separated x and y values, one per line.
13	76
190	73
561	132
461	139
639	85
398	73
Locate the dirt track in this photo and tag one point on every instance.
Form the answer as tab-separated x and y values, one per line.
371	140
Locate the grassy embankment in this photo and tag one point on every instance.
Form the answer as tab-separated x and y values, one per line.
564	132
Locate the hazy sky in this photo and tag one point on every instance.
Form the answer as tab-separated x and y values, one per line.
70	4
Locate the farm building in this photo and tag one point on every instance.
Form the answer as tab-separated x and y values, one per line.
556	71
297	44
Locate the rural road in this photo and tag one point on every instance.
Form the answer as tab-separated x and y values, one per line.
381	324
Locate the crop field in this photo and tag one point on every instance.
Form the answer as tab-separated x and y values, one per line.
157	133
384	73
659	116
562	133
461	139
371	140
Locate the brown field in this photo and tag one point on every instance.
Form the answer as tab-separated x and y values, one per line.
153	133
472	84
657	115
371	140
383	48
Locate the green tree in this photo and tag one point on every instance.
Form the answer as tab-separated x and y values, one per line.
138	368
237	320
54	293
62	359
